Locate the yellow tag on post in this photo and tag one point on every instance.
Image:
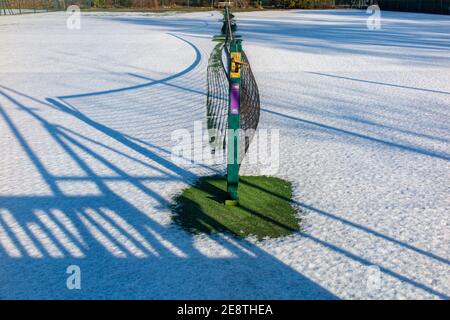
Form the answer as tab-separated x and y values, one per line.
235	71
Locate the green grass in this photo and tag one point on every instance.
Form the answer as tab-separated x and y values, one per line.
264	210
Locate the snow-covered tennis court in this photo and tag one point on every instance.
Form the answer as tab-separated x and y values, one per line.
86	175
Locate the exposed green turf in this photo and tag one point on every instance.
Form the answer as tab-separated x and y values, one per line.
264	209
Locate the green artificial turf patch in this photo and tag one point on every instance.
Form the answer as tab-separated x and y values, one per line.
264	209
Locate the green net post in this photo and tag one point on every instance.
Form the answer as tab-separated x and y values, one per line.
234	120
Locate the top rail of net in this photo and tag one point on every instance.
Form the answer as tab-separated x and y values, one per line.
229	35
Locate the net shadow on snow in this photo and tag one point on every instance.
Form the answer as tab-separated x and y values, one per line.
114	241
41	235
372	232
122	250
105	232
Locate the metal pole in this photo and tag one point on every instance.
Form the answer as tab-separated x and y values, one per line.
234	120
233	115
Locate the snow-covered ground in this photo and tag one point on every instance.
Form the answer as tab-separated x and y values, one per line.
86	175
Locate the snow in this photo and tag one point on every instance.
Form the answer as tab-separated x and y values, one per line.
86	175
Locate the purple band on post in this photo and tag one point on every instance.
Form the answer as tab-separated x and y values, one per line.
234	106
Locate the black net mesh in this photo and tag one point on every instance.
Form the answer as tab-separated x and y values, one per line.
217	99
218	91
250	105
